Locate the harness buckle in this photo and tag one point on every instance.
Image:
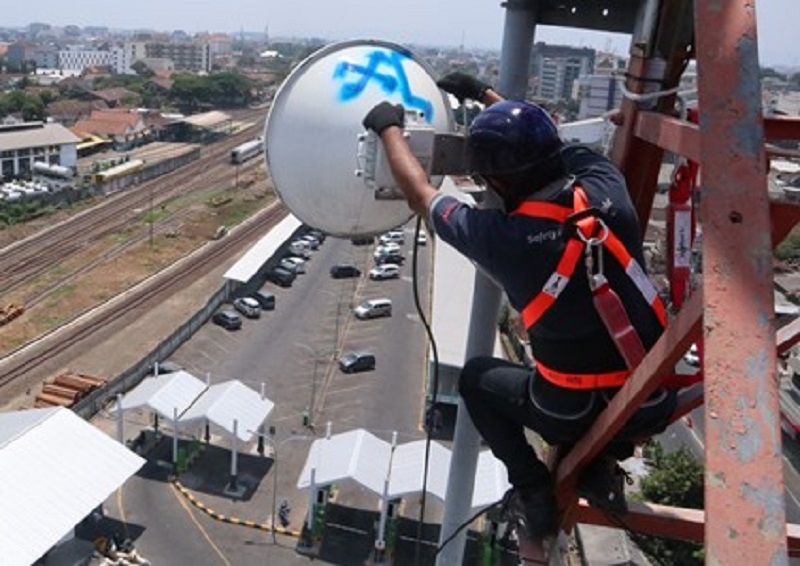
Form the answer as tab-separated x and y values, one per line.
571	223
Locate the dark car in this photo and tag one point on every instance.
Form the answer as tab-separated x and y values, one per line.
266	300
395	258
343	270
352	362
227	319
281	277
362	240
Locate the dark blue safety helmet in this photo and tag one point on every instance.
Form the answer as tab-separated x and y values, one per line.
511	137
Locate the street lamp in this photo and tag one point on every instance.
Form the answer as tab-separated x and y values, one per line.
270	438
315	356
338	297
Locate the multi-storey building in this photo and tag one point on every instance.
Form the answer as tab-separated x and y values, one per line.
76	58
555	68
189	56
601	91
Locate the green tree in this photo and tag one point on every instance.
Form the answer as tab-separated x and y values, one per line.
676	479
789	248
141	69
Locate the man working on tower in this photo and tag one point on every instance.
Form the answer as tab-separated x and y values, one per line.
559	201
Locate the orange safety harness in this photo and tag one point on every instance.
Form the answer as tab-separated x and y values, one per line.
591	237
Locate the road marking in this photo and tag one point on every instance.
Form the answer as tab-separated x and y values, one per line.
175	491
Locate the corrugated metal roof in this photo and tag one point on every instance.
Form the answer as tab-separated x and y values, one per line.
207	119
36	136
223	402
364	458
41	501
244	269
165	393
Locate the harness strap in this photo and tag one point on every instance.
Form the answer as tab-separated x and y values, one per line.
608	304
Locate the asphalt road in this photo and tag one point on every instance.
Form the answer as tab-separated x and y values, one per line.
292	351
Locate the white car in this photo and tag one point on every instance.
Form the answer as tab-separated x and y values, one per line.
373	308
386	249
396	236
299	263
692	357
422	239
385	271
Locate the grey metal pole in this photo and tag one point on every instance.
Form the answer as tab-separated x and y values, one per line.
274	487
234	454
175	440
520	24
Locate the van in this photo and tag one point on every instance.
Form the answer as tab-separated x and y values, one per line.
373	308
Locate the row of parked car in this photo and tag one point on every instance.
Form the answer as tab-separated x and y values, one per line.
388	258
283	275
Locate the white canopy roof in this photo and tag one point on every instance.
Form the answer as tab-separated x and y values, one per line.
165	393
42	502
225	402
408	468
366	459
254	258
356	454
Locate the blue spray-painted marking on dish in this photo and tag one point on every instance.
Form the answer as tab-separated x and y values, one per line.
391	82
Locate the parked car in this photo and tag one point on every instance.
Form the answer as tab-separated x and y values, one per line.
352	362
388	248
373	308
394	258
281	277
362	240
299	264
227	319
300	248
288	265
422	239
318	234
393	236
266	300
384	271
344	270
692	357
248	306
313	242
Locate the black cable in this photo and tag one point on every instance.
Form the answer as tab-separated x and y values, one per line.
428	421
466	523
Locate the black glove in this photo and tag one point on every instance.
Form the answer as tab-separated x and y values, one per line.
384	115
463	86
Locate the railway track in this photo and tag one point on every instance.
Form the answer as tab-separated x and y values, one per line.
146	296
24	260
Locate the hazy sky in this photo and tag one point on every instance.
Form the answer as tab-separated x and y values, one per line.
479	23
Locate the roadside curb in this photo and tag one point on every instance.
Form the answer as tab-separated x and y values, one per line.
231	520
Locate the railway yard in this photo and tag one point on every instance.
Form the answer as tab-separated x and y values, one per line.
60	267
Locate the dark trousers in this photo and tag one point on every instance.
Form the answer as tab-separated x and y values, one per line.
504	398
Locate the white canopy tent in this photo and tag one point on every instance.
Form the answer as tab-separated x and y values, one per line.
165	394
224	403
366	459
56	469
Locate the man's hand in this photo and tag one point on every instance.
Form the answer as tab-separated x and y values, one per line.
384	115
463	86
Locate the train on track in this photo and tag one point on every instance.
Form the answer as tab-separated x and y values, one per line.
121	170
247	150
